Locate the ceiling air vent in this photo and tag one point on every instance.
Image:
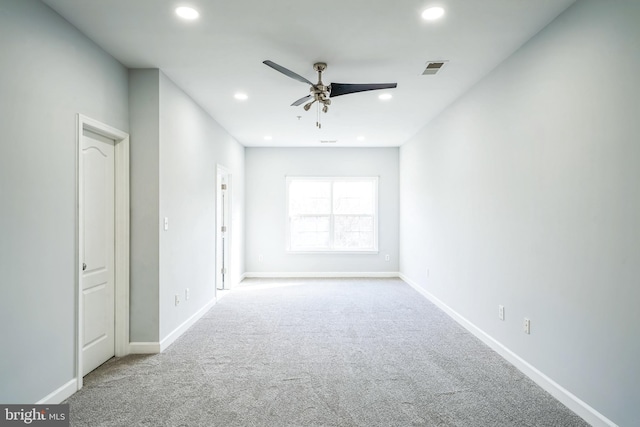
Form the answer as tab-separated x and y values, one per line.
328	141
433	67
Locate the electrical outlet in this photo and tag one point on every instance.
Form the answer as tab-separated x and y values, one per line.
177	300
186	294
527	326
166	223
387	257
260	258
501	312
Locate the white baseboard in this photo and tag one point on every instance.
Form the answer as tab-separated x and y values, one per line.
242	277
144	347
175	334
567	398
286	275
59	395
159	347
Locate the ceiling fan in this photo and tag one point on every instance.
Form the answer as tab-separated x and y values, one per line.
321	93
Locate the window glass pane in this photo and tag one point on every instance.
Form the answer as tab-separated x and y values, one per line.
353	232
353	197
309	197
334	214
310	232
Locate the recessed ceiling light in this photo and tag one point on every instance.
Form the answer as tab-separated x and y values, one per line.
268	138
241	96
187	13
433	13
360	138
385	96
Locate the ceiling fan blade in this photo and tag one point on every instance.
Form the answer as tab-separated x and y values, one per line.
338	89
301	100
286	72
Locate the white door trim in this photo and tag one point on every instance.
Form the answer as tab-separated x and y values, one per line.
223	171
121	237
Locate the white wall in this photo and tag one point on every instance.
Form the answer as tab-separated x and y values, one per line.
525	193
49	72
192	144
144	113
266	207
176	147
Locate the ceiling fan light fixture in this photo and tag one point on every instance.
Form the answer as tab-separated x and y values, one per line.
385	96
433	13
187	13
240	96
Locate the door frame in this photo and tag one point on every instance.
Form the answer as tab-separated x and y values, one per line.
222	171
121	258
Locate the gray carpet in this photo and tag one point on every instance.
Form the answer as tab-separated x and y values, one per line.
329	352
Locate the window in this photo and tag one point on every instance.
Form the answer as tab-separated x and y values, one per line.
332	214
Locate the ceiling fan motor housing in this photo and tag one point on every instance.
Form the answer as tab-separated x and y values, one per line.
320	91
320	66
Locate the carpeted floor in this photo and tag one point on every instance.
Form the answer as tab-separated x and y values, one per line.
321	352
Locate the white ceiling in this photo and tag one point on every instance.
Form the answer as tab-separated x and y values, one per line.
363	41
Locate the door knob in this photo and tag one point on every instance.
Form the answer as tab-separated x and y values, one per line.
84	266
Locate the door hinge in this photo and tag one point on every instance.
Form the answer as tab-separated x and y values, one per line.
223	228
223	271
223	186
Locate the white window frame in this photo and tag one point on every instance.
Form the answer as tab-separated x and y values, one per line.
331	249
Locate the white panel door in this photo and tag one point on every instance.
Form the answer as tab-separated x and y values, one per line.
98	237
